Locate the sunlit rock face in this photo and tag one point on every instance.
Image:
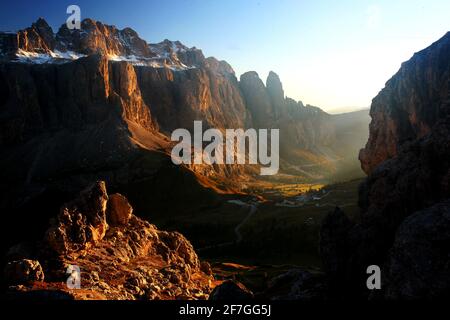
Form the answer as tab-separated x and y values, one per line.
177	98
410	105
39	37
80	223
96	37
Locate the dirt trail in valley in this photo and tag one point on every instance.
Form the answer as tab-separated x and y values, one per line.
252	209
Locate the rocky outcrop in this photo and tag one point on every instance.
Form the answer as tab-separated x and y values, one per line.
407	159
81	223
23	271
133	260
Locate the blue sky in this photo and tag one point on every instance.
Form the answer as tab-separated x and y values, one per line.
333	54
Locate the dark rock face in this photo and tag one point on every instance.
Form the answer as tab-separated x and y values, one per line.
230	291
119	210
23	272
410	104
409	172
414	180
334	246
275	90
419	259
297	284
257	100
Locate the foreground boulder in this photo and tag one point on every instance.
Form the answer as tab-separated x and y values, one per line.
82	222
23	272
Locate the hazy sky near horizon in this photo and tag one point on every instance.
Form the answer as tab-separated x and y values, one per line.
333	54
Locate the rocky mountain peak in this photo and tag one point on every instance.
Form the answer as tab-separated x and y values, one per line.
42	25
88	23
275	88
38	44
222	66
37	38
257	98
251	77
96	37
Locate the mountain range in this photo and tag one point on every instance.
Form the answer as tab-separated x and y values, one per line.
100	103
85	123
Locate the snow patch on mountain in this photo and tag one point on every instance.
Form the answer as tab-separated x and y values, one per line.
155	62
57	56
50	57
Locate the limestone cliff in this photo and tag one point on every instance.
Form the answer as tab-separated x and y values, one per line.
403	225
